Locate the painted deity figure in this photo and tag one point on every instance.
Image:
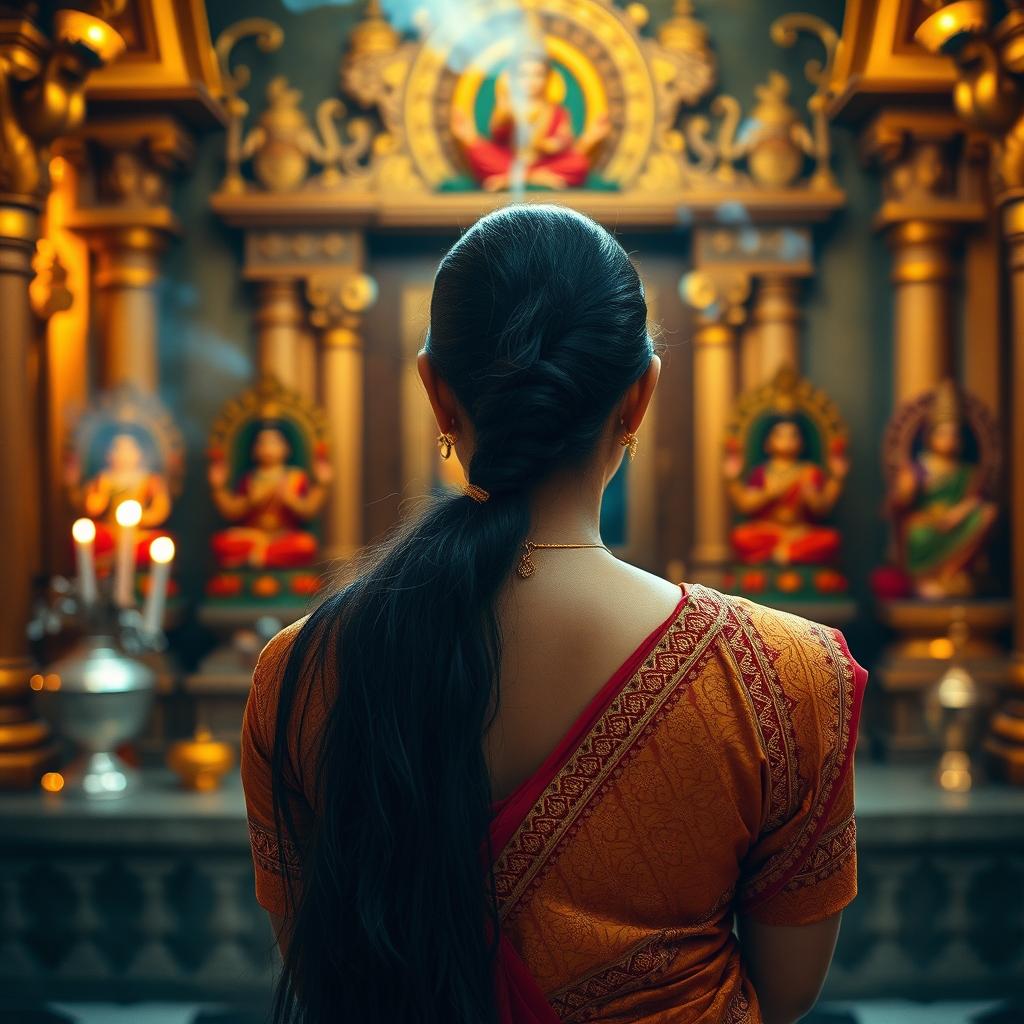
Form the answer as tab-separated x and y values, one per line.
529	129
784	498
270	507
127	474
940	515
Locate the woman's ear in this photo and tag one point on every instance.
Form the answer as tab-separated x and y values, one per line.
440	396
638	398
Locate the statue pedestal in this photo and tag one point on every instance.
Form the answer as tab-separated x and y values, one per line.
219	688
1004	744
921	651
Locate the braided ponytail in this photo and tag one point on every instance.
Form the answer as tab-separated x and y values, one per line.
538	326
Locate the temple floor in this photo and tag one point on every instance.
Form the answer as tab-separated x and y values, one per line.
869	1012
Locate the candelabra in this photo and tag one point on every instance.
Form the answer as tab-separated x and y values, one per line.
100	693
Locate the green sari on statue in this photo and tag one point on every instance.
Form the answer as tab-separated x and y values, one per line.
937	540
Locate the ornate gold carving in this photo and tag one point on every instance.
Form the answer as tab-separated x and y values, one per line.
130	179
719	296
39	104
923	174
338	300
268	38
283	141
817	145
49	290
989	93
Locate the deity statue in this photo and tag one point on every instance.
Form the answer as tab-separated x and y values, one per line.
124	448
937	497
784	498
530	129
271	506
127	475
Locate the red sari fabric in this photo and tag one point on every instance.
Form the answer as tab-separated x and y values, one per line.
711	775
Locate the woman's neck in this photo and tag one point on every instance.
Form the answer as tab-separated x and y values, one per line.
566	509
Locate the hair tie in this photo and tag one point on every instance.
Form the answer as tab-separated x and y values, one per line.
478	494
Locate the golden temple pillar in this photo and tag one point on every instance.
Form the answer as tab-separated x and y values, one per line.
750	357
989	96
927	204
776	320
719	299
281	328
126	276
1006	739
41	86
25	746
923	275
338	301
128	227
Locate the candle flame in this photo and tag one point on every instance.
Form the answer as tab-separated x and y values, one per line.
128	514
161	550
84	531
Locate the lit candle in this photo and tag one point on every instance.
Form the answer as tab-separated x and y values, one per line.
161	554
128	516
84	533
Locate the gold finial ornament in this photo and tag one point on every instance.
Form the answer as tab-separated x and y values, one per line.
478	494
682	31
373	35
630	442
445	443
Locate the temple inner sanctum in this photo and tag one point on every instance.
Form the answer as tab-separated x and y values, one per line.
219	228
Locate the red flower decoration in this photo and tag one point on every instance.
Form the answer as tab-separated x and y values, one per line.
305	584
754	581
224	585
789	581
888	583
266	586
829	581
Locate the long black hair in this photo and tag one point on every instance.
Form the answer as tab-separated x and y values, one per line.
538	325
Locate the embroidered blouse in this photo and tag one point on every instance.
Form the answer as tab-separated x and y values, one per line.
711	776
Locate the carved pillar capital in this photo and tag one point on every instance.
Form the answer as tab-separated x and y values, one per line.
719	297
338	301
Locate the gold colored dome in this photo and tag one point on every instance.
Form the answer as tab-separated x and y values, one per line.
374	34
683	32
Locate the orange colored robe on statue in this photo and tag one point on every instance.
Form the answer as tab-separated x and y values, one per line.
489	157
712	775
758	540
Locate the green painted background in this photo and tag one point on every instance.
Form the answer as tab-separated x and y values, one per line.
206	332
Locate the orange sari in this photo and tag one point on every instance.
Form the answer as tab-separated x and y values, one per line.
710	776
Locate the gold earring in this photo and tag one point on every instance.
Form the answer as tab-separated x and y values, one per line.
630	441
445	443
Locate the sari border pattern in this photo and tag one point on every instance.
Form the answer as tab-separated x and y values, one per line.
640	965
602	754
267	852
643	962
829	855
755	662
779	871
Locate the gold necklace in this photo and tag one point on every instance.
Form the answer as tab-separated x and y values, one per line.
527	567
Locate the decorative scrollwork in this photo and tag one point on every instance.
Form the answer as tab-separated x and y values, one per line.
269	37
818	146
